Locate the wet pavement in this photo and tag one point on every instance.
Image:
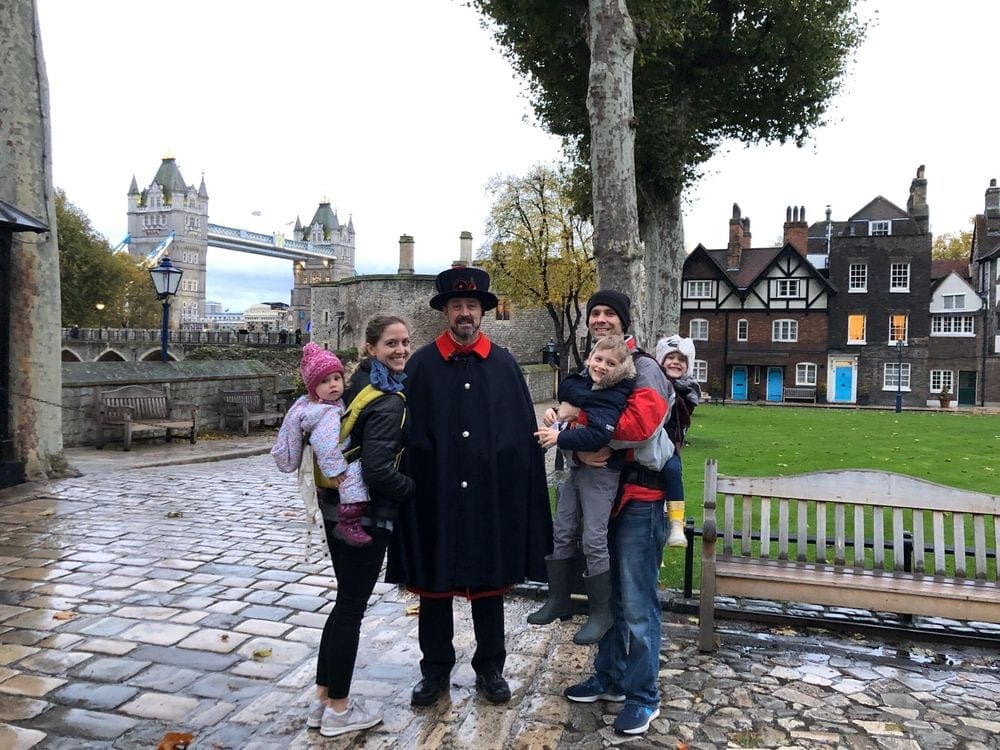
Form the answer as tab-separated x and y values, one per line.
143	598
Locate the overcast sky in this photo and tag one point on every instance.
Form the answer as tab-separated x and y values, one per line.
399	112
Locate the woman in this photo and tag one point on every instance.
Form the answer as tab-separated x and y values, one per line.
379	433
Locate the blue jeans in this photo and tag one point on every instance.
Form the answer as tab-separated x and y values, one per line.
628	656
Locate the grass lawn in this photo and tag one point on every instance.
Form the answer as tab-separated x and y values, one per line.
960	450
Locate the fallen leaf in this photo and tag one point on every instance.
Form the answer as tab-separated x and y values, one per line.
64	615
224	637
175	741
174	514
413	609
261	653
48	512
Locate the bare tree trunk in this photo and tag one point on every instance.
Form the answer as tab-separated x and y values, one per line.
662	232
617	247
26	182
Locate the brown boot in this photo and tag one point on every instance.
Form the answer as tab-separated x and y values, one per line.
348	528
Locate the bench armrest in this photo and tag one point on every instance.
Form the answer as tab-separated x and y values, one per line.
181	408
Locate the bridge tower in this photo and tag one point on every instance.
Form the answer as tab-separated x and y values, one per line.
324	232
171	213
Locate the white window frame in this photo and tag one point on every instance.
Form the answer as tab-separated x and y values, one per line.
785	330
953	325
906	330
899	278
880	228
699	324
889	376
787	288
699	289
857	278
699	370
953	301
742	329
941	379
805	373
864	329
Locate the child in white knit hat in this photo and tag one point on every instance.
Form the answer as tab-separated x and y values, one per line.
675	354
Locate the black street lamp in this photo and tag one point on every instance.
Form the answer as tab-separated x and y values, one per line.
899	375
984	300
100	319
166	279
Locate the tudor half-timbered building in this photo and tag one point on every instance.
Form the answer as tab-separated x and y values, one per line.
758	316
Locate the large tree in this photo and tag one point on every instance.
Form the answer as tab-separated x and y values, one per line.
540	251
952	245
705	71
91	275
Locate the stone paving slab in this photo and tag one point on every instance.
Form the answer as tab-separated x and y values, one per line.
215	655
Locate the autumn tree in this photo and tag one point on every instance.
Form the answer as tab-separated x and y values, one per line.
952	246
90	274
704	71
540	252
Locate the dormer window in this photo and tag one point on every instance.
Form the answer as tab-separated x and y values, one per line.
699	289
954	301
879	228
786	288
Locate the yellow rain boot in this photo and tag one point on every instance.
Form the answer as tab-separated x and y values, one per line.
675	514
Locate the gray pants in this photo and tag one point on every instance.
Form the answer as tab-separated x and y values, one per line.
588	494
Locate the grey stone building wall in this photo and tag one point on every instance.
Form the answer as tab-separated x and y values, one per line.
26	182
196	383
408	296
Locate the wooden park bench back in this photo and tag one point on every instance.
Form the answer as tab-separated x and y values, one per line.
248	406
851	538
138	408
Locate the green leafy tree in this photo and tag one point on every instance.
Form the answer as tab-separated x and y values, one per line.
90	274
704	71
540	252
952	245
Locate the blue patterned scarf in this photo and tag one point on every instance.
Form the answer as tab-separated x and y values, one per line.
384	380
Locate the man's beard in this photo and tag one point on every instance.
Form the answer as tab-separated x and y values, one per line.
457	333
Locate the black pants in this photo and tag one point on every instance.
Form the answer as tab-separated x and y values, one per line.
357	570
436	629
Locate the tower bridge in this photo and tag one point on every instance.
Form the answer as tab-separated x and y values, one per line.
170	216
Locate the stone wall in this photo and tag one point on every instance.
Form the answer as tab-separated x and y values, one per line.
361	297
190	382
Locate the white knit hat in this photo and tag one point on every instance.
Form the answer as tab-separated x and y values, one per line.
675	343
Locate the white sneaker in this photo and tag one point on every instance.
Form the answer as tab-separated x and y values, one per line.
355	718
315	716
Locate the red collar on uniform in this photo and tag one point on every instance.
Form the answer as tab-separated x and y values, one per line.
448	347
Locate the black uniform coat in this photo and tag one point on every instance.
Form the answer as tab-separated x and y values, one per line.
480	518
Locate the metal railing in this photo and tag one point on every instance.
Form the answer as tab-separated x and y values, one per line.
183	336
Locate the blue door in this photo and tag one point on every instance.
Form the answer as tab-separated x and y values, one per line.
775	381
843	381
739	384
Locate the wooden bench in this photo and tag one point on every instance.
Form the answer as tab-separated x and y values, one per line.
840	539
138	408
800	393
249	405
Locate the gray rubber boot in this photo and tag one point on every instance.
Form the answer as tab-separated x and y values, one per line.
599	598
557	607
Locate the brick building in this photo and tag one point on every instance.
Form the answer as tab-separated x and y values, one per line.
984	260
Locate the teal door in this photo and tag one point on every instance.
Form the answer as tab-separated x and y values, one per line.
775	381
739	384
843	382
967	387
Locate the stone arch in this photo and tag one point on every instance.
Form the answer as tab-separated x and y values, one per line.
110	355
153	355
68	355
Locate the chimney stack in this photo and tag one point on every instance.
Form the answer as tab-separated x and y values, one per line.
796	230
992	212
464	250
734	250
916	204
405	255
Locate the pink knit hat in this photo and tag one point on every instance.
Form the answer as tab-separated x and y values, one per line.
317	364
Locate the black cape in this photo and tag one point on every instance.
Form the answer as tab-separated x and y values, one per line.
471	422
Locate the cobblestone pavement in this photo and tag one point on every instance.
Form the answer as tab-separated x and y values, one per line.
139	601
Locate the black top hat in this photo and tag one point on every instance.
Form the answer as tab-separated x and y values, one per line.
463	281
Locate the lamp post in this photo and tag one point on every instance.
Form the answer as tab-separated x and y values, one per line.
166	279
340	325
899	375
984	299
100	319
